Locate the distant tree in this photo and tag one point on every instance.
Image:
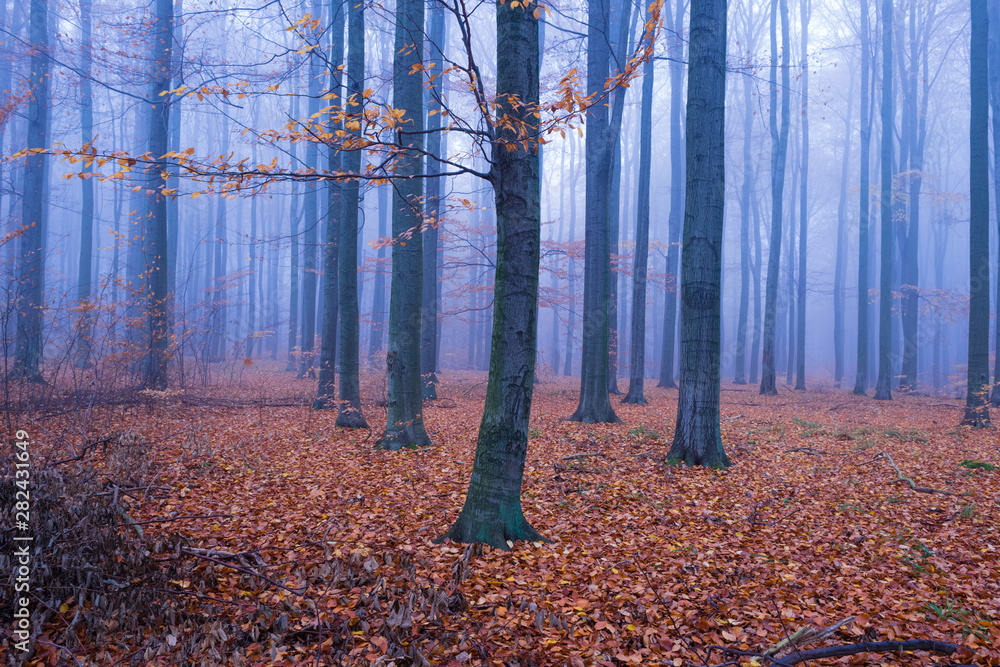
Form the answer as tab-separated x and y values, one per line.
432	202
840	265
637	352
85	330
594	405
805	10
697	435
404	422
31	263
779	149
492	511
977	412
865	115
746	193
883	386
675	219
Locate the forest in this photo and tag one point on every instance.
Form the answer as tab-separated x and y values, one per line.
453	332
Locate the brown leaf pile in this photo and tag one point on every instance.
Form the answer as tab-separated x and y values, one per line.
322	553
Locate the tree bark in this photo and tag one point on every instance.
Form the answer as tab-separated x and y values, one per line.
746	192
977	411
865	116
994	83
335	222
883	387
404	421
350	414
637	350
492	512
779	147
840	267
698	435
805	10
85	326
31	263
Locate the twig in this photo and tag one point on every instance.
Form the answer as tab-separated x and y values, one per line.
848	649
185	516
912	484
810	451
726	419
581	455
246	570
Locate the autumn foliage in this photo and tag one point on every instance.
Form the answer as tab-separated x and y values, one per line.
280	539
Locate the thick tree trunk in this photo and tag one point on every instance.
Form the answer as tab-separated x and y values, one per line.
637	351
977	412
432	200
865	115
779	147
404	421
492	511
994	83
698	435
335	221
350	414
156	252
31	263
883	387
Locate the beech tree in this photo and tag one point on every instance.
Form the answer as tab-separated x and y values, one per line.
698	435
977	412
492	512
865	118
883	386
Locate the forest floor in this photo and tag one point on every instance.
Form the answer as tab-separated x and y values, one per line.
303	545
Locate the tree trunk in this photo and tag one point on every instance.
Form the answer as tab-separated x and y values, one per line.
698	435
335	221
757	266
865	115
594	405
779	147
739	375
156	251
86	324
994	83
676	216
350	415
805	9
432	200
310	279
637	351
883	388
404	422
492	511
293	234
31	263
376	340
840	268
977	411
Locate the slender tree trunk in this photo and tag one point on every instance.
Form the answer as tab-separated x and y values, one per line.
805	10
676	215
31	263
698	436
791	262
883	388
404	421
376	341
864	253
840	268
574	176
310	279
779	147
86	324
977	411
637	352
293	279
746	193
335	221
432	200
758	328
350	414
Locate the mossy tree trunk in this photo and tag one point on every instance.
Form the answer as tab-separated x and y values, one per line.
492	513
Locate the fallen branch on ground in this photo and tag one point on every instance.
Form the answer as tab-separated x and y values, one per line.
847	649
910	482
